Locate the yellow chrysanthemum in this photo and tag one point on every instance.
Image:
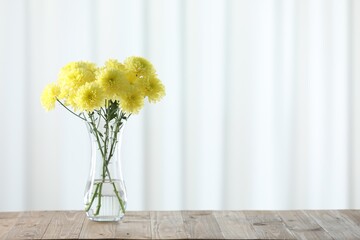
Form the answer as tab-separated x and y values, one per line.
140	66
49	95
113	63
84	87
132	101
70	100
89	97
154	89
112	81
131	77
72	76
79	64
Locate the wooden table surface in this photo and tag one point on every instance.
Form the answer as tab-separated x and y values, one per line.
313	224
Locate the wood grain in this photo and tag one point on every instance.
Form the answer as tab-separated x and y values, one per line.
31	225
234	225
268	225
65	225
7	221
98	230
351	216
135	225
314	224
167	225
201	225
302	226
336	225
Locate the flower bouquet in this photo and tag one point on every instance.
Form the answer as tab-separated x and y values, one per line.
105	97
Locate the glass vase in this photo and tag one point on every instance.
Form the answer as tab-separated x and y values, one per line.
105	194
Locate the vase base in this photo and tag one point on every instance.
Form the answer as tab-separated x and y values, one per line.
105	218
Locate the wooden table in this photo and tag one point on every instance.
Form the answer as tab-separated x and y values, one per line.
324	224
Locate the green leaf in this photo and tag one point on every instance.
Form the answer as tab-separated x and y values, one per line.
112	110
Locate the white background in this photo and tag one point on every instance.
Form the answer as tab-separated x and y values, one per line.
262	108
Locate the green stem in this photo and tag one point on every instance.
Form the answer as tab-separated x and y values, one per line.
96	134
103	153
119	198
115	133
106	158
106	136
70	110
92	198
99	200
113	144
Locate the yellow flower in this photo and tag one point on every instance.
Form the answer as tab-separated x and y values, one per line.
132	100
112	81
76	74
73	79
79	64
131	77
49	95
139	66
73	76
154	89
85	87
89	97
113	63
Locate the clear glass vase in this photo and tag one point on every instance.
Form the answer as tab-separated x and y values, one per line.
105	194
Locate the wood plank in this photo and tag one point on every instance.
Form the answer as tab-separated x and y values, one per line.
97	230
201	224
31	225
7	221
234	225
167	225
65	225
351	215
268	225
302	226
10	215
321	224
336	225
135	225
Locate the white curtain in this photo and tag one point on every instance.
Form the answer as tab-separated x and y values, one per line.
262	108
